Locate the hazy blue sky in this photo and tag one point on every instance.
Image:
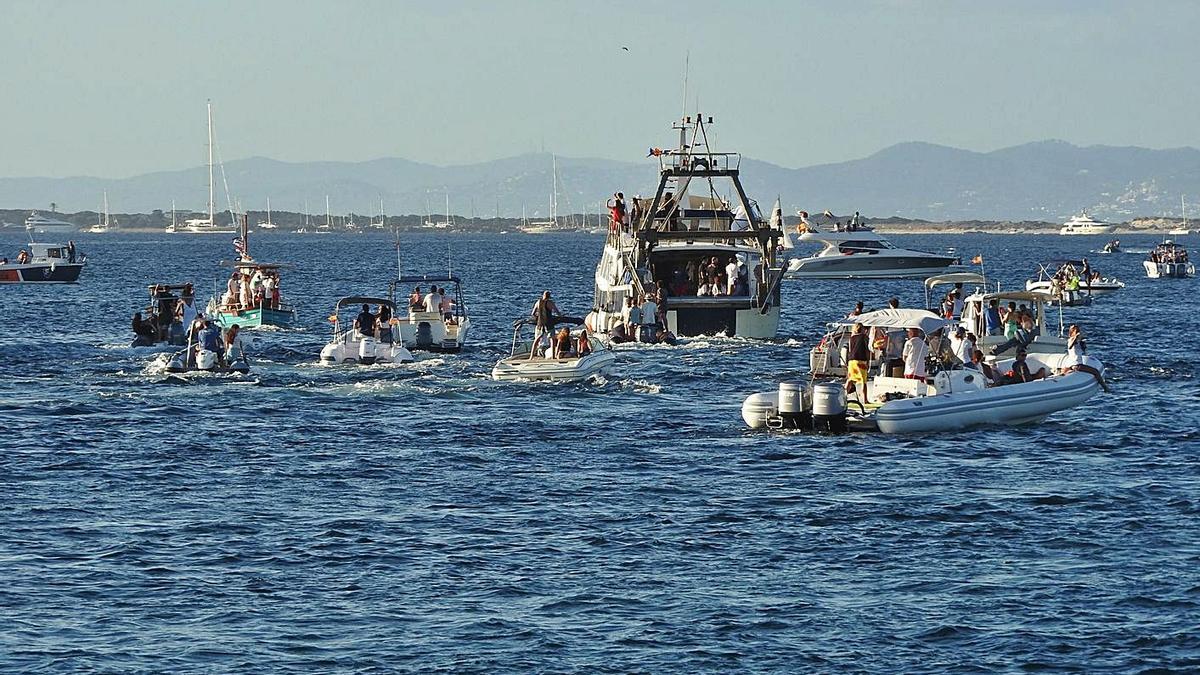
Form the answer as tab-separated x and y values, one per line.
118	88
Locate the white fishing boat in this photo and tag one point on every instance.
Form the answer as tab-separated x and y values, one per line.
864	254
1169	260
1085	224
539	363
350	344
104	223
432	329
997	393
699	224
37	223
206	225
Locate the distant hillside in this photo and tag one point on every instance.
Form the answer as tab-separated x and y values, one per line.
1046	181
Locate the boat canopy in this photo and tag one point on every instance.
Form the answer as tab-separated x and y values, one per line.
898	318
1031	296
365	300
426	278
955	278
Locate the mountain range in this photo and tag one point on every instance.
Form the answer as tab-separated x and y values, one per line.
1046	180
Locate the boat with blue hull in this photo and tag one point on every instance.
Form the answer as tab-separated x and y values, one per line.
252	297
45	264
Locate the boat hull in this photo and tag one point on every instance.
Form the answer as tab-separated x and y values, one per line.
65	273
1008	405
553	370
262	316
868	267
1169	270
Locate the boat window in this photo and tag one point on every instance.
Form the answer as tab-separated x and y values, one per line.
54	253
861	246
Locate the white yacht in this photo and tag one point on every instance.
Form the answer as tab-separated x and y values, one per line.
36	223
205	225
864	254
105	222
686	232
1085	224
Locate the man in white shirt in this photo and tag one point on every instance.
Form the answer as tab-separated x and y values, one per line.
961	345
915	351
433	301
631	316
731	276
650	314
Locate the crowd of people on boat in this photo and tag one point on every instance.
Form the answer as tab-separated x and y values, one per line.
706	277
248	289
1169	255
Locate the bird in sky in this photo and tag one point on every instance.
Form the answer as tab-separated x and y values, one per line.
625	48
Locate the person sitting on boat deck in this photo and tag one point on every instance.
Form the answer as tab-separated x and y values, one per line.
962	344
235	344
631	316
1021	371
543	313
209	338
144	330
858	363
562	348
383	323
365	322
989	373
711	289
23	257
1076	348
915	352
584	345
858	309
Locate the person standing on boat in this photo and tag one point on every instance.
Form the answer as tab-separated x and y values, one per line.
544	311
858	363
269	287
731	275
631	316
915	353
433	301
992	323
416	301
71	251
209	339
364	323
649	316
186	310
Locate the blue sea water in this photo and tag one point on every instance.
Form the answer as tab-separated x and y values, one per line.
425	518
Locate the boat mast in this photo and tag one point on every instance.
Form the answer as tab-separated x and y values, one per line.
554	191
268	210
447	207
328	218
211	219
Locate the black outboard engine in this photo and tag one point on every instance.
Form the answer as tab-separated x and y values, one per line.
829	407
424	336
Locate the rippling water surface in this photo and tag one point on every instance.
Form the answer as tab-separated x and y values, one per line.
423	517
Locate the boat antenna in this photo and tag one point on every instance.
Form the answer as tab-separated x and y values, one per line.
686	64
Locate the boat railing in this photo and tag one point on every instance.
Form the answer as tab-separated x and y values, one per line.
698	162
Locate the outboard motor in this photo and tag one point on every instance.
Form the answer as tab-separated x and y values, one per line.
206	360
791	407
177	362
424	337
829	407
366	350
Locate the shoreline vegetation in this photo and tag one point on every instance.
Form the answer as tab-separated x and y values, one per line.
287	222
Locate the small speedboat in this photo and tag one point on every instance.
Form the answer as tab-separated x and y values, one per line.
44	263
864	255
194	358
157	323
1054	279
434	331
537	362
1113	246
349	345
1169	260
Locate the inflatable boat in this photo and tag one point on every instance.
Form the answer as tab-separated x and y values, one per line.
955	399
204	361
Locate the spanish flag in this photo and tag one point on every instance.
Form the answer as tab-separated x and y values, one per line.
977	260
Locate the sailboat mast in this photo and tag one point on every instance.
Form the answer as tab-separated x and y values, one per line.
447	208
268	210
211	197
554	193
328	218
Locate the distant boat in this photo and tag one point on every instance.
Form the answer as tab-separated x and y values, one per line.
205	225
544	226
1181	231
105	223
1085	224
36	223
445	224
267	224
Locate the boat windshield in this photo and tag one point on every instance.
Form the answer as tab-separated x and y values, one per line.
852	247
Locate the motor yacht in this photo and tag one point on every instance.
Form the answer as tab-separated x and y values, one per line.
350	345
864	254
1085	224
44	263
528	361
37	223
698	227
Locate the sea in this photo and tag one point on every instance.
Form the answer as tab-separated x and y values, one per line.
424	518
